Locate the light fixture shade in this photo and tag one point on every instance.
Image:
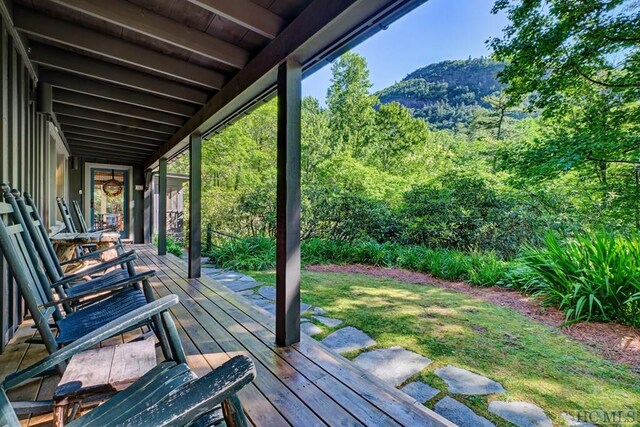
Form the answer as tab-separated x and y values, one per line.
113	187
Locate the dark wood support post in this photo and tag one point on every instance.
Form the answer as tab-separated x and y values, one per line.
195	204
162	207
288	205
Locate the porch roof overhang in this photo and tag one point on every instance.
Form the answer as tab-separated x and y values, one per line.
133	79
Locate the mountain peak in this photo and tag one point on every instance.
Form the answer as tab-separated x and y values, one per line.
446	93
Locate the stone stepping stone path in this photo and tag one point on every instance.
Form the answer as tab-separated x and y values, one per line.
460	414
348	339
227	276
268	292
393	365
462	381
238	285
310	329
420	391
522	414
328	321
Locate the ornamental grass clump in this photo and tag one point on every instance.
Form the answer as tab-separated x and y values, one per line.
594	276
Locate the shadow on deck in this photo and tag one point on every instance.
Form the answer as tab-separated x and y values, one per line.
302	385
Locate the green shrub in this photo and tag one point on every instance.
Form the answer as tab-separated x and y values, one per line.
258	253
173	247
252	253
488	269
463	211
595	276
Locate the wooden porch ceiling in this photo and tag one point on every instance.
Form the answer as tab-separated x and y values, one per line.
124	71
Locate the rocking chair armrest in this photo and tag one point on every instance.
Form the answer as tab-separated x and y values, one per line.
200	396
91	254
109	330
113	228
122	259
114	287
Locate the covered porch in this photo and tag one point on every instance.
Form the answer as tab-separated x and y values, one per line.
304	384
128	85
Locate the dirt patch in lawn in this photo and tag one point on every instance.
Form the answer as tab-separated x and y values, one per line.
618	343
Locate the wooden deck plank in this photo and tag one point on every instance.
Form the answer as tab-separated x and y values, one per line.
303	374
197	342
331	373
305	384
293	409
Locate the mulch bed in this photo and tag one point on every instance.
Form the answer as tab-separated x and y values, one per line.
618	343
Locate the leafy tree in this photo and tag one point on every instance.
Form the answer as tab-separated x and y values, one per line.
351	113
397	134
316	137
579	64
554	47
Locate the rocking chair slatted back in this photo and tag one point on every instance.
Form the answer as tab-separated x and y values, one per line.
78	211
66	215
17	247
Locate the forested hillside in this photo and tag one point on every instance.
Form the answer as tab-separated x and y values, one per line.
447	93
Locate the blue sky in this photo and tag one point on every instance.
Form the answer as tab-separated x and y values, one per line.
437	30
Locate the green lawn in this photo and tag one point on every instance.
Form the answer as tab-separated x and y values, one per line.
533	362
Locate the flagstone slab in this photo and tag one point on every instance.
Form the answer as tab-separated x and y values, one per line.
348	339
462	381
328	321
304	307
268	292
310	329
247	279
246	292
270	308
227	276
522	414
320	311
393	365
420	391
460	414
238	286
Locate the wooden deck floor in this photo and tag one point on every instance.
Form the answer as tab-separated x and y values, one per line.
302	385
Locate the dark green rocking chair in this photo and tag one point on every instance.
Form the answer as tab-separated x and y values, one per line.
169	394
73	286
17	247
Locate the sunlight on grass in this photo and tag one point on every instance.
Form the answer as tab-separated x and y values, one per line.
533	362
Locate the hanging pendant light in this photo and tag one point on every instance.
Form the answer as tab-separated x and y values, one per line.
113	187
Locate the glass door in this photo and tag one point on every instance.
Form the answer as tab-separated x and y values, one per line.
110	199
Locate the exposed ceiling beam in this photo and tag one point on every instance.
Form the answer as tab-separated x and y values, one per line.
114	93
151	24
99	116
116	152
76	130
111	128
323	30
245	13
94	103
75	36
60	59
114	156
125	145
89	147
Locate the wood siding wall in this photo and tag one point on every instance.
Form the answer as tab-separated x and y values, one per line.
25	154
